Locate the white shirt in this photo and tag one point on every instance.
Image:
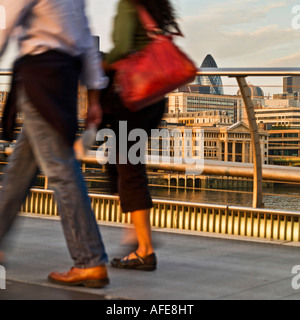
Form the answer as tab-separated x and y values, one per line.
53	25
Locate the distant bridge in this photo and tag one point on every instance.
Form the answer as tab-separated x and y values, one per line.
221	168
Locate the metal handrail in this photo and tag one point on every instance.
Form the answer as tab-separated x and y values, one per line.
237	221
5	72
228	72
185	203
245	72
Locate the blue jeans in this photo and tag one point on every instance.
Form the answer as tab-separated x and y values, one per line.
40	147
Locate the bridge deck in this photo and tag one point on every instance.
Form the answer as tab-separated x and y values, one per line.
190	267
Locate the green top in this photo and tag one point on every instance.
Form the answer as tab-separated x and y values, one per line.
128	33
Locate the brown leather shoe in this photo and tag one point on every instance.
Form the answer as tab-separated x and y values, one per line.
90	277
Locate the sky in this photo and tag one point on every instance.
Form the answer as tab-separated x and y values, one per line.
237	33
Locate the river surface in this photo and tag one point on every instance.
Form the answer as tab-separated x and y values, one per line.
278	197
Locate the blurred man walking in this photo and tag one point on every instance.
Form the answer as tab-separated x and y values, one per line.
56	49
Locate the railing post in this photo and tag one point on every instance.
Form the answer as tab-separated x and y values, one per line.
257	159
46	183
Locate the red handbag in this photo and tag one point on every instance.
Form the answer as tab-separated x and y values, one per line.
146	76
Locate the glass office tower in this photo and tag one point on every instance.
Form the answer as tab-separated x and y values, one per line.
210	84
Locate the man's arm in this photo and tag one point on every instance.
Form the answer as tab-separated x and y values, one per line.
14	13
93	77
95	113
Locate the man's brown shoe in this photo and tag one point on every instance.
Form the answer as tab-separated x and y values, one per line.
90	277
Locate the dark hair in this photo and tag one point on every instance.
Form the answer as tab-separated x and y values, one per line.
163	13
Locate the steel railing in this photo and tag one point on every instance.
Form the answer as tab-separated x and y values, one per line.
169	215
249	72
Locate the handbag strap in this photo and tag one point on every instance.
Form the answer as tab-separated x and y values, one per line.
148	21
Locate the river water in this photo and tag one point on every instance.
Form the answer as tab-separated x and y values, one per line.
278	197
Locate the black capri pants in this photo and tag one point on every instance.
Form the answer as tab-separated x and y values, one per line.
130	181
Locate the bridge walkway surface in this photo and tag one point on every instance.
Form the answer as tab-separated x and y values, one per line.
190	267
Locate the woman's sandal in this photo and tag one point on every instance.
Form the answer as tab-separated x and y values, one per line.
144	264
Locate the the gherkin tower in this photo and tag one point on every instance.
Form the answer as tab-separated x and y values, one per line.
210	84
